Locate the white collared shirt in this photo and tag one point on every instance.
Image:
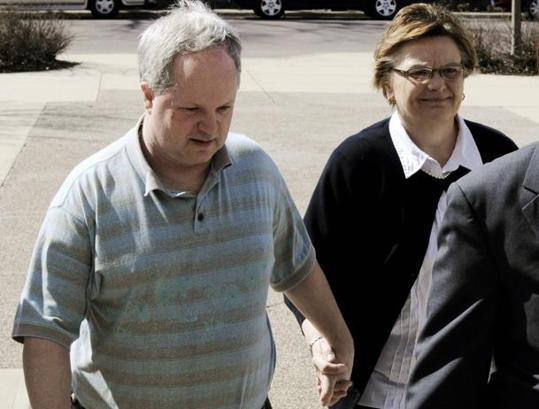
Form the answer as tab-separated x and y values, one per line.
386	386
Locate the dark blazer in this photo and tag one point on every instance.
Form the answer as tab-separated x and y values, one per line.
484	299
370	227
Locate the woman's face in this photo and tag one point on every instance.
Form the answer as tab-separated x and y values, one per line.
433	100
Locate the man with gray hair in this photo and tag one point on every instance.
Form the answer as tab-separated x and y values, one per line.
148	283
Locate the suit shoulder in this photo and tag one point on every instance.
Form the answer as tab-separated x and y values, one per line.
500	176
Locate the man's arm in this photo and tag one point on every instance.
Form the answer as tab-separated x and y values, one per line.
455	346
47	374
53	304
313	297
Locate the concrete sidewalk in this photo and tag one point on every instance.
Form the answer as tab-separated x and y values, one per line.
52	119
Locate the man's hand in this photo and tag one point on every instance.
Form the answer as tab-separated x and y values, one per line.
332	374
313	297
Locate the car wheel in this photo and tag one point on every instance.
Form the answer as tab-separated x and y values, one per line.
104	8
533	9
383	9
270	9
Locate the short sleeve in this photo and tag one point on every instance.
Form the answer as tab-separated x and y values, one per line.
293	251
53	301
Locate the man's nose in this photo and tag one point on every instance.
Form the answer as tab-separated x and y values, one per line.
208	123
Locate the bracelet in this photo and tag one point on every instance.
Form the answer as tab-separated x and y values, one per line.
314	341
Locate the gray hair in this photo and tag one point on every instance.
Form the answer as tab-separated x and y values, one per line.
189	27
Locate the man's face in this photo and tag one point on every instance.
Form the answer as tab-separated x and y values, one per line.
189	122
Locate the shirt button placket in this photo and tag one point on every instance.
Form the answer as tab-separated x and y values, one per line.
199	224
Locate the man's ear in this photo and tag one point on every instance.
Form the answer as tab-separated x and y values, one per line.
148	95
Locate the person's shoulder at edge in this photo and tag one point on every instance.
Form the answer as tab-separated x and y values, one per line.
506	172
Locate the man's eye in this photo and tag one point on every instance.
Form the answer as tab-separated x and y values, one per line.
450	72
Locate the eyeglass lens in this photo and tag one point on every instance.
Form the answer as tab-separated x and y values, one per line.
424	74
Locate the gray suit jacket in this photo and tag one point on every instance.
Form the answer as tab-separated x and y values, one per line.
484	299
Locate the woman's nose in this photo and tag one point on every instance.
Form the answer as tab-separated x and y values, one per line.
436	82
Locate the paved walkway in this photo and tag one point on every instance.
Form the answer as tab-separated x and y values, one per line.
298	115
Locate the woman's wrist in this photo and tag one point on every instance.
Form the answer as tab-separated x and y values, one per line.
314	341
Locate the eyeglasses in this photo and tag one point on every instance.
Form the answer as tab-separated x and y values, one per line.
424	74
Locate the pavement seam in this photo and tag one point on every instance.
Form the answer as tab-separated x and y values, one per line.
19	135
262	88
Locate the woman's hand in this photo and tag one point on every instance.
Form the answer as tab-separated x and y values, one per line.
332	374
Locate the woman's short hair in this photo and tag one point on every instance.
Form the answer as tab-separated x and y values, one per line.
418	21
189	27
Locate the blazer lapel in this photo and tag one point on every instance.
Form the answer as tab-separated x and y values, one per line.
531	183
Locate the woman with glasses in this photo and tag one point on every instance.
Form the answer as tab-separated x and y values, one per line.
375	213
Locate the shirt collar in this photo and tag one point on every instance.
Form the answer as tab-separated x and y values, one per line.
220	161
413	159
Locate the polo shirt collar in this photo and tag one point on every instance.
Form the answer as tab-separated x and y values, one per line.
413	159
220	161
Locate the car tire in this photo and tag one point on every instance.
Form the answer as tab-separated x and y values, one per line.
104	8
533	9
269	9
383	9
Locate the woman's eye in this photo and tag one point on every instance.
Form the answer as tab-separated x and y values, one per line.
419	73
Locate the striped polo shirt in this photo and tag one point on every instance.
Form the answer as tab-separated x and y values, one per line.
161	295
